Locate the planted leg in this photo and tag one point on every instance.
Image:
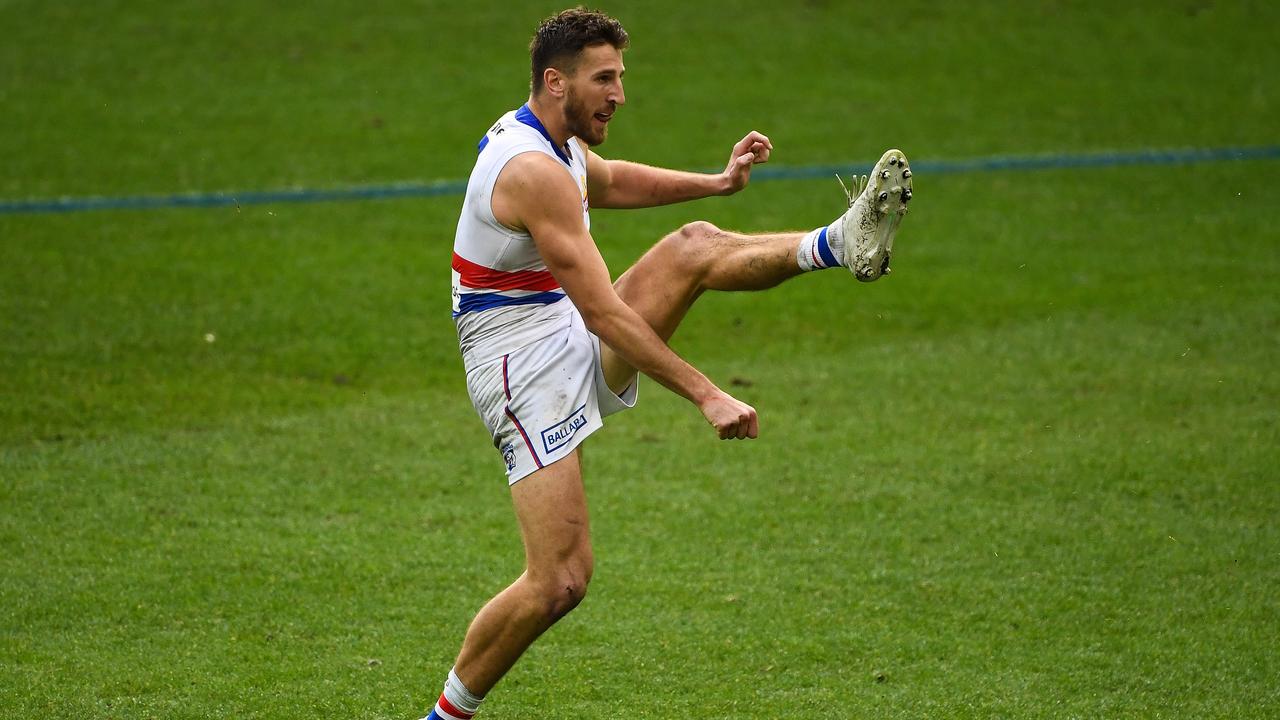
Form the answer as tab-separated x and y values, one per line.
551	507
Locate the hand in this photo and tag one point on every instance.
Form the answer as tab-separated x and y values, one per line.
732	419
750	150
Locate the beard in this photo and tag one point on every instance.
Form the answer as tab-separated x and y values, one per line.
581	122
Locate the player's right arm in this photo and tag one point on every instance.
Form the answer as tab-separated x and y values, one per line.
534	194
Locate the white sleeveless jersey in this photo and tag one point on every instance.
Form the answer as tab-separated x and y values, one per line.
503	295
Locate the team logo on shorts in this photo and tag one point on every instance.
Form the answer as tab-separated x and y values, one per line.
509	456
559	435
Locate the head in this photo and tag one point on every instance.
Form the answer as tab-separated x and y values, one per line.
577	62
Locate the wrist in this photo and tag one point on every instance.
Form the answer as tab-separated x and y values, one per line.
704	392
724	184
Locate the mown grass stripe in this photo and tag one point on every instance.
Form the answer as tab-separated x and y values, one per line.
802	172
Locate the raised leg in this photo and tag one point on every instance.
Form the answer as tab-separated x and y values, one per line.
665	282
551	507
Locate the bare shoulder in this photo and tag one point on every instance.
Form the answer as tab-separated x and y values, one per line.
530	183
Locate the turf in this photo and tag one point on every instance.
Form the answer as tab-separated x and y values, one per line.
1030	475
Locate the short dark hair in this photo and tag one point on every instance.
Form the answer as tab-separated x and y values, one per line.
561	37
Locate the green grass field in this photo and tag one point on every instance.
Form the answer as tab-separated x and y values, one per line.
1032	475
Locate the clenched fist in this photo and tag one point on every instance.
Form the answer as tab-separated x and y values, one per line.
732	418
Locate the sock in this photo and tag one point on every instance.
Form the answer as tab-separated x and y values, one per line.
456	702
821	248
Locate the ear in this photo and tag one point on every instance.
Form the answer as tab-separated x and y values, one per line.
554	81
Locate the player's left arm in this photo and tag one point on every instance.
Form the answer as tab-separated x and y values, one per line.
622	184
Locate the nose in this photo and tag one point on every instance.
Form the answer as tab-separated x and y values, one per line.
617	96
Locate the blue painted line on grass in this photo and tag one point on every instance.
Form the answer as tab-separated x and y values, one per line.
1041	162
233	199
803	172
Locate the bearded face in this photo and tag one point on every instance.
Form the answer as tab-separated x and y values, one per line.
591	125
593	92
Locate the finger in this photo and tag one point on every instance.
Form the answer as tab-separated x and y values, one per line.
743	425
754	430
751	139
745	160
761	152
723	432
757	136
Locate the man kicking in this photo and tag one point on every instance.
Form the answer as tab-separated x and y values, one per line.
551	346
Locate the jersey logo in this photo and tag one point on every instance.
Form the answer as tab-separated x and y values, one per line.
509	456
559	435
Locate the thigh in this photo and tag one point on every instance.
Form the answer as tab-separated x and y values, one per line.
661	288
665	282
551	507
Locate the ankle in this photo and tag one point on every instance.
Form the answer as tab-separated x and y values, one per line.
456	702
816	251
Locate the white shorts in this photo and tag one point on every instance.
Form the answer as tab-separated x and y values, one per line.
541	401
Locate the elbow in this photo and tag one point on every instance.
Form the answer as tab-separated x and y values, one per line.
594	319
600	319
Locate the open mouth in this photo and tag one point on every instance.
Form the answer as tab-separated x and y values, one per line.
603	117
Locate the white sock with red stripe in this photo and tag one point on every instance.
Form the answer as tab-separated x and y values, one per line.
821	248
456	702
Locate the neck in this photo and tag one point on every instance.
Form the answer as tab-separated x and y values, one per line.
549	114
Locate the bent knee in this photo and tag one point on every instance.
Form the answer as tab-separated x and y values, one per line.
697	230
561	598
563	588
690	246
